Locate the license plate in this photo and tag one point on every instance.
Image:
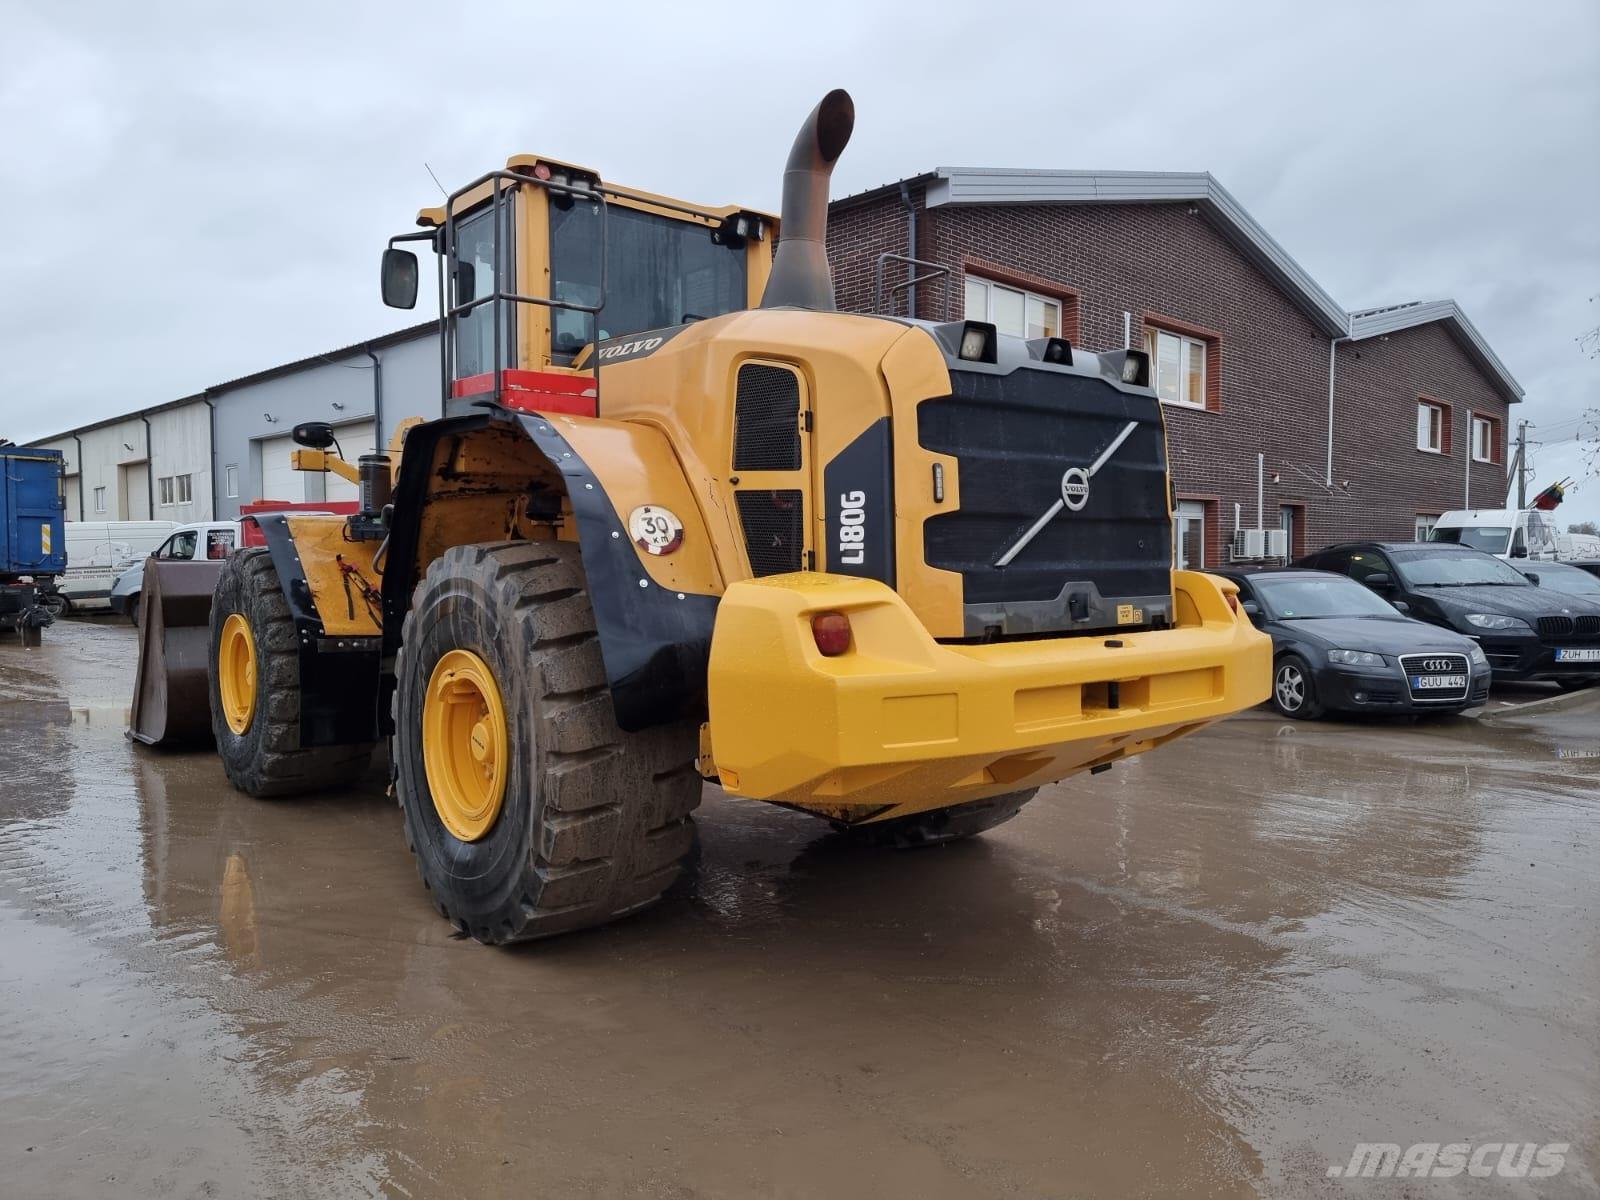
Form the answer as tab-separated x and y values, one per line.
1424	683
1584	655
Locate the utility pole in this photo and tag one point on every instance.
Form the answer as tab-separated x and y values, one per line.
1522	465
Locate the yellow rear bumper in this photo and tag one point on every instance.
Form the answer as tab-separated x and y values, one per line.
901	723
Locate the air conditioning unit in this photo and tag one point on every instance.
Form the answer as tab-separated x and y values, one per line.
1278	544
1249	543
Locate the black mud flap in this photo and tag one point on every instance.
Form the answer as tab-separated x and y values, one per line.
656	643
341	683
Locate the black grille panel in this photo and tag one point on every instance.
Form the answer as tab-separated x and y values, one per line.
774	530
1585	627
1014	436
766	420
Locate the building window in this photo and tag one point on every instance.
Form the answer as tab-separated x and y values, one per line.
1485	440
1189	535
1425	524
1432	428
185	487
99	499
1178	363
164	491
230	477
1012	310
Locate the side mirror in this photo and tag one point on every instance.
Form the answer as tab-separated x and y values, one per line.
1532	578
1519	545
1251	609
466	283
313	435
1379	581
399	278
1400	606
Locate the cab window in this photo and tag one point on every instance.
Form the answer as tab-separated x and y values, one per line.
179	545
1364	564
659	272
219	543
474	279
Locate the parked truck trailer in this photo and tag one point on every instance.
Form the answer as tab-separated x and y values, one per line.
33	552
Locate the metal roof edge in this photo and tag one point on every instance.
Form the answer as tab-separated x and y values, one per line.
1007	186
407	334
1392	318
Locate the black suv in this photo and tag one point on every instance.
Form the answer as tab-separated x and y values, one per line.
1527	632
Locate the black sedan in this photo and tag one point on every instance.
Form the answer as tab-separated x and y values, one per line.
1527	631
1336	645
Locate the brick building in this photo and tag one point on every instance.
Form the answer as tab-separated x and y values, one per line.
1366	424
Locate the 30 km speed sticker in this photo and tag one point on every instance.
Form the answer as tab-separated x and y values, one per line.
655	530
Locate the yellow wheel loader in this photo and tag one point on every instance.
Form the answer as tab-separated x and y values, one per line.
682	521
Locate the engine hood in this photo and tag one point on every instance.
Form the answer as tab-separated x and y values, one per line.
1380	635
1525	602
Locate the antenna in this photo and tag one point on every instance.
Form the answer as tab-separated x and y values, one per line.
435	179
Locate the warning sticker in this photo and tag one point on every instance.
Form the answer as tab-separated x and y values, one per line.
1127	614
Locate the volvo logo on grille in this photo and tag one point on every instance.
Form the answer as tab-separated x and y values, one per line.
1075	488
1074	494
1436	664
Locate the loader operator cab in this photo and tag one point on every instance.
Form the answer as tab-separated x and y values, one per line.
538	262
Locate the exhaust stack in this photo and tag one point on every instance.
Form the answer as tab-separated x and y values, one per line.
800	275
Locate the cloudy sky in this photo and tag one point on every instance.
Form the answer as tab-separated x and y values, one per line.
201	190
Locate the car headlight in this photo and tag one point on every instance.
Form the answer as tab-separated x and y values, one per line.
1495	621
1355	658
1477	657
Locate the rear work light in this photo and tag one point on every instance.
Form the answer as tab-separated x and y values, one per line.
832	633
1233	601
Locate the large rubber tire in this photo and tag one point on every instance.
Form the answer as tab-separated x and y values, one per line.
595	822
1294	692
267	758
941	824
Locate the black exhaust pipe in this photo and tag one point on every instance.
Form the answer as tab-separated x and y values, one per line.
800	275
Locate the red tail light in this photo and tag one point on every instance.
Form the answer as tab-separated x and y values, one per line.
832	633
1233	601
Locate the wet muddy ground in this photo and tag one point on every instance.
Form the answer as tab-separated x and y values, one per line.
1211	972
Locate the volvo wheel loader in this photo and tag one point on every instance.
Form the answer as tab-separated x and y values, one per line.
683	521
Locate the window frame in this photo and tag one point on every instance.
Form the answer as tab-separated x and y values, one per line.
1188	344
1419	533
230	481
183	488
100	499
968	278
1442	410
1491	429
164	491
1188	510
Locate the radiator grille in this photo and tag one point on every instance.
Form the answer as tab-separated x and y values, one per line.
766	420
1586	627
1436	664
774	530
1014	437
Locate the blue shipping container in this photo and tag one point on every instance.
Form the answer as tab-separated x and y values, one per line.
33	506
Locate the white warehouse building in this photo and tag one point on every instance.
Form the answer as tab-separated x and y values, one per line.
204	455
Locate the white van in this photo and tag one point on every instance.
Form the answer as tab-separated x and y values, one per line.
200	539
1506	532
99	551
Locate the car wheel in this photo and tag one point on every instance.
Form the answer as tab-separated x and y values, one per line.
133	610
55	604
1293	693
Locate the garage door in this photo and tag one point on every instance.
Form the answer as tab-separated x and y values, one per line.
354	440
280	481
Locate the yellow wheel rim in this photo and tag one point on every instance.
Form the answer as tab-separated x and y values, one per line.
236	673
466	747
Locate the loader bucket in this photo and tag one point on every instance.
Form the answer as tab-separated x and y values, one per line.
171	692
